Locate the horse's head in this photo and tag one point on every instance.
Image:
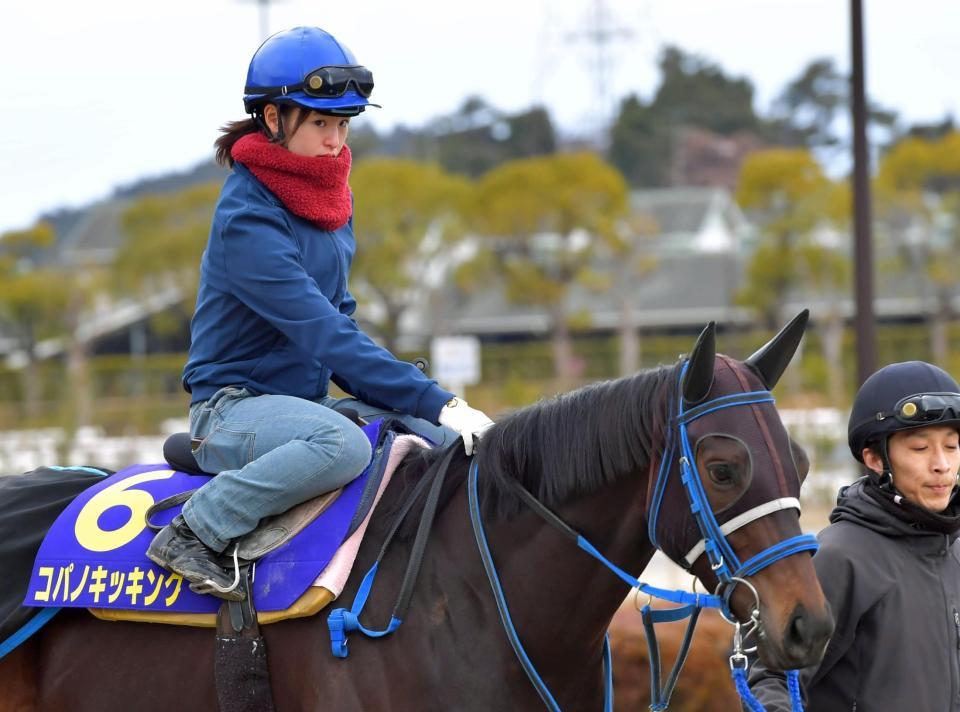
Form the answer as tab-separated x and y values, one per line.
725	503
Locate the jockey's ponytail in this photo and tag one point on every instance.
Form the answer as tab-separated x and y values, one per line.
233	131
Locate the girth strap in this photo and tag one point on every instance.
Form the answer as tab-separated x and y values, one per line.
341	621
241	675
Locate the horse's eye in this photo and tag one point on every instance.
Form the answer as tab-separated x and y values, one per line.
722	473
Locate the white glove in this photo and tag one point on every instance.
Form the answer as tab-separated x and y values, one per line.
469	422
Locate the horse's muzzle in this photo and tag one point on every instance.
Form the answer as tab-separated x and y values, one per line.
803	640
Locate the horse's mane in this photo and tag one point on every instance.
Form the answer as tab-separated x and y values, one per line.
573	444
560	448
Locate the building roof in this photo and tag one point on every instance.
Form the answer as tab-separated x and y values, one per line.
690	219
95	238
682	290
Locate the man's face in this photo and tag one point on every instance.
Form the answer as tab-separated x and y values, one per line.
924	462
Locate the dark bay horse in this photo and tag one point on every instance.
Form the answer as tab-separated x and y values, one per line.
591	456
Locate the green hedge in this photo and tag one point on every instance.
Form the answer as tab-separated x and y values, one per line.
134	395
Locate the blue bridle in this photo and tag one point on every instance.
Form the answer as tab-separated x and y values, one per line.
723	560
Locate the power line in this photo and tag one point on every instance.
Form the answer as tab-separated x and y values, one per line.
601	31
264	14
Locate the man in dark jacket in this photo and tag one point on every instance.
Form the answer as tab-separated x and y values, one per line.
889	562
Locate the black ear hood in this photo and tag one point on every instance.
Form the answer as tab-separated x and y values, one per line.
699	376
771	360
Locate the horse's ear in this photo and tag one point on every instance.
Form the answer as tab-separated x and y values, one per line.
699	376
771	360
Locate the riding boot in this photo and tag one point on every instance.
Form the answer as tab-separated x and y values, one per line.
178	549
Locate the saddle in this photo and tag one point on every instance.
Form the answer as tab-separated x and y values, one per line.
94	554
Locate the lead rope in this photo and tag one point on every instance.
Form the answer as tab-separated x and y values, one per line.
738	669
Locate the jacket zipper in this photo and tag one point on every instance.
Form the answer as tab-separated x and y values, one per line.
956	626
342	280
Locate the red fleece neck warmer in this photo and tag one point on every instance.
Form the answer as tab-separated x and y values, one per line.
314	188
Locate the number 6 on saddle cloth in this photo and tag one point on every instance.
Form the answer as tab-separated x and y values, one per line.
93	556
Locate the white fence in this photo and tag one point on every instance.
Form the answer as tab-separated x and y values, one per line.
21	451
24	450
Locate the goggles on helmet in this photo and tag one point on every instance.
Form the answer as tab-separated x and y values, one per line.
925	408
325	83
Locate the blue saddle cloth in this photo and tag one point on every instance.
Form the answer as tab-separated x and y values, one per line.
94	555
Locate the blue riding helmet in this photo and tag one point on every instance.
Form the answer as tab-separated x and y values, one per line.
901	396
309	67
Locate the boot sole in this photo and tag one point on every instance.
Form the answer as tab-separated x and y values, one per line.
200	581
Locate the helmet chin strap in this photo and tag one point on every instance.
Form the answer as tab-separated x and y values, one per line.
262	123
886	477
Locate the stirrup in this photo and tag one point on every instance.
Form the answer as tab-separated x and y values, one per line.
209	584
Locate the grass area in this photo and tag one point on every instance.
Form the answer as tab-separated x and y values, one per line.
125	395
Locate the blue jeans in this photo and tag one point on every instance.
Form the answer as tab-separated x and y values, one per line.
273	452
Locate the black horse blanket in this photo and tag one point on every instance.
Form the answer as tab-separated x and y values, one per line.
29	504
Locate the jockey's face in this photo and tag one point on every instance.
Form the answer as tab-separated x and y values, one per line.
924	462
317	135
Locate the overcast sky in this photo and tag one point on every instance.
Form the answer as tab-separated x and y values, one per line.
100	93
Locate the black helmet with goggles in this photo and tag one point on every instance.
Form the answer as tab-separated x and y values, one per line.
902	396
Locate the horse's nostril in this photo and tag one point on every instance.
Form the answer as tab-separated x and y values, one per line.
797	627
806	635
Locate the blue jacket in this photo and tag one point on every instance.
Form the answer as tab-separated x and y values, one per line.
273	311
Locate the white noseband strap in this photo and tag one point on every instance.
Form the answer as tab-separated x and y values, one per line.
742	520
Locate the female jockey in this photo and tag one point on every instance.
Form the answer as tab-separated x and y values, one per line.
272	324
889	563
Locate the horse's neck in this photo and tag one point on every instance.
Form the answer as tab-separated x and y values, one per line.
560	599
559	596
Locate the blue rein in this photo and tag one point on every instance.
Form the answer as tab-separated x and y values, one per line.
723	560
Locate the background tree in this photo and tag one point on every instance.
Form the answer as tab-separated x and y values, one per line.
805	112
786	192
33	302
164	237
810	110
918	190
825	272
639	144
794	206
692	92
697	92
632	261
478	137
541	219
407	214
